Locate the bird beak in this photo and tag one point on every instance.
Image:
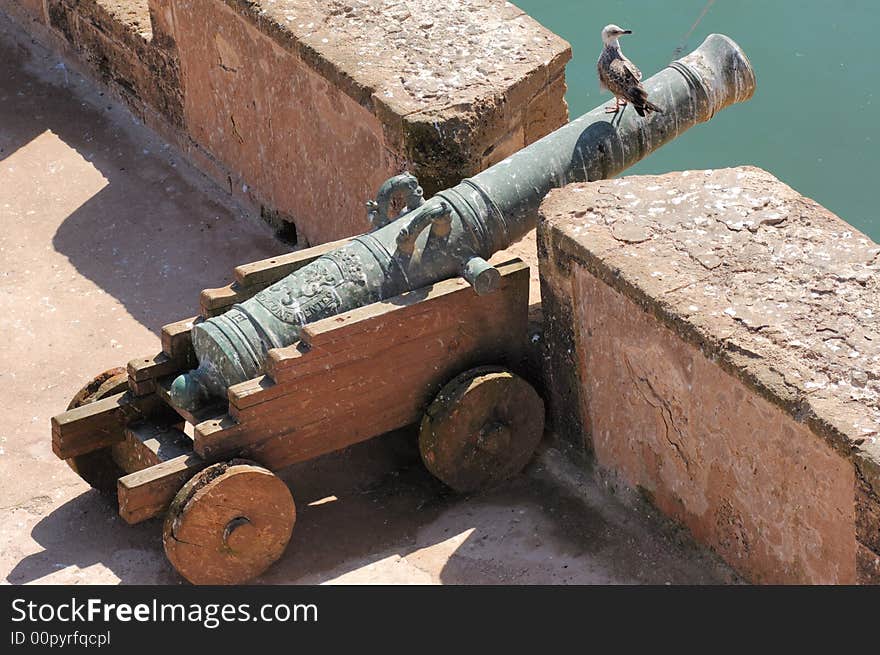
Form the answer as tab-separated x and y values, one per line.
627	32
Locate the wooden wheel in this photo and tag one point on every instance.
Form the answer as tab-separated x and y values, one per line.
97	468
229	523
481	429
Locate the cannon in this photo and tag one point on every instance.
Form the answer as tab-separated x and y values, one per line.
456	231
313	351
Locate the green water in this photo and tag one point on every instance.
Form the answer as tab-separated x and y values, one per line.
813	121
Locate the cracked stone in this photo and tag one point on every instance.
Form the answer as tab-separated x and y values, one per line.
781	279
630	232
709	260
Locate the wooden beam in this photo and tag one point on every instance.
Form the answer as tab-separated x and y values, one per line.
148	492
146	444
266	272
144	371
177	341
213	302
98	424
149	368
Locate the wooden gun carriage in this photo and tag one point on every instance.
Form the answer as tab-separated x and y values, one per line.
439	355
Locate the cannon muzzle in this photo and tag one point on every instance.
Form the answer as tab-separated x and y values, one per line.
458	229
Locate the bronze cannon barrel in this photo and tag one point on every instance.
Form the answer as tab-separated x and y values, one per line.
458	229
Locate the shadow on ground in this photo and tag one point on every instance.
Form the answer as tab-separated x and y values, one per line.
373	514
151	237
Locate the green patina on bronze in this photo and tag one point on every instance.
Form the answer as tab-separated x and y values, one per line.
459	228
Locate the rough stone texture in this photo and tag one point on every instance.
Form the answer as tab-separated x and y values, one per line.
314	104
115	38
718	333
292	134
30	10
162	22
132	14
774	501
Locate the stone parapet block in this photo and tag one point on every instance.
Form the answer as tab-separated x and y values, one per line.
302	108
316	103
713	340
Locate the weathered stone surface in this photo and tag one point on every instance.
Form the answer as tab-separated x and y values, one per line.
27	9
295	137
316	103
413	56
723	350
132	15
115	39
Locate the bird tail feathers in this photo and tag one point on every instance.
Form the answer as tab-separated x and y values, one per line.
647	106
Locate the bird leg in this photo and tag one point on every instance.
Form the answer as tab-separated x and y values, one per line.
618	103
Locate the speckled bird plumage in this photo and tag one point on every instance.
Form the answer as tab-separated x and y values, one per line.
619	75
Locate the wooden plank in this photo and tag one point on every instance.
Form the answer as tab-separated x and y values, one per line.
360	384
403	307
177	341
350	396
147	444
419	363
358	333
255	390
377	337
99	424
143	371
218	437
148	492
221	297
149	368
213	409
311	441
368	347
407	317
386	357
213	302
266	272
144	388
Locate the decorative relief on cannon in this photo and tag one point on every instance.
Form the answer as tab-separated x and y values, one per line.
318	292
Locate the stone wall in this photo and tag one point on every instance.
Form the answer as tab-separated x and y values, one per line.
115	41
304	107
713	342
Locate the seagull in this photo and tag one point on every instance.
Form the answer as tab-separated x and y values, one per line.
620	76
